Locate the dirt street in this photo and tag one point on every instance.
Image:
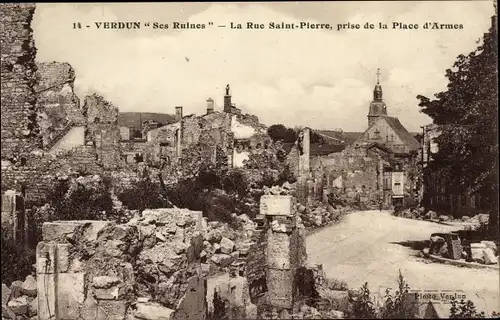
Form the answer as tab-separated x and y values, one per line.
370	246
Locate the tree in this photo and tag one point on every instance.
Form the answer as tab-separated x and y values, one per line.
279	132
467	159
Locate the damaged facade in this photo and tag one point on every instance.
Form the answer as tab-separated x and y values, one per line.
45	130
230	132
380	166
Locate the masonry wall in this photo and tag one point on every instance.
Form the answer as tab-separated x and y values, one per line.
356	170
19	129
103	131
39	173
58	104
98	110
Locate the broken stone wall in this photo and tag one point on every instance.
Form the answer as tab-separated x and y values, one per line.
38	173
148	268
98	110
19	129
357	169
190	130
103	131
58	104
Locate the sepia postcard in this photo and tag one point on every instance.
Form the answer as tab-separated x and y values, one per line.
249	160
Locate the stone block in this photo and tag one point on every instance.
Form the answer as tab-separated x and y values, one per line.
477	251
222	260
278	251
489	256
490	244
52	255
5	294
107	293
205	268
153	311
19	305
280	288
69	288
111	310
88	310
120	232
239	290
114	248
70	294
198	217
29	286
59	230
226	245
193	304
276	205
46	295
105	282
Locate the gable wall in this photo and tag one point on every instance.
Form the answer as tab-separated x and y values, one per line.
385	132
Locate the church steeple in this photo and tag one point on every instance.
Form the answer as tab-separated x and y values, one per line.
377	106
377	92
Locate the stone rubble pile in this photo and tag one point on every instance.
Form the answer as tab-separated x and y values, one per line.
147	268
20	299
420	214
319	214
222	245
441	245
285	189
484	252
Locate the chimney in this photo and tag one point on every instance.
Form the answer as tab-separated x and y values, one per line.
178	113
210	105
227	100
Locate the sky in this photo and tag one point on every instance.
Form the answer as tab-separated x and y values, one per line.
322	79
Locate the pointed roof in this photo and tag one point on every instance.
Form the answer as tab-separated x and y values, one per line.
407	138
403	134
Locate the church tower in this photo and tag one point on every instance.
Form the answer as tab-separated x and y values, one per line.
377	106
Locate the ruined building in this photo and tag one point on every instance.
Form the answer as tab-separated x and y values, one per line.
229	133
45	130
380	165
